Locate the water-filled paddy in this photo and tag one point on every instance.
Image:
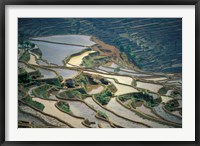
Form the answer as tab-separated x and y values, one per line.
80	109
169	117
22	116
66	73
95	90
56	53
41	62
124	112
121	79
24	66
47	73
165	99
47	119
112	117
52	110
177	113
77	60
32	60
122	89
146	110
68	39
149	86
122	71
156	79
112	64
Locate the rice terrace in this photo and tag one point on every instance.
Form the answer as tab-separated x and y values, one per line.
99	73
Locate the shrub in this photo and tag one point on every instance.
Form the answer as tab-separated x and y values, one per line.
28	100
162	91
23	77
70	94
102	115
104	98
139	96
64	106
25	57
42	91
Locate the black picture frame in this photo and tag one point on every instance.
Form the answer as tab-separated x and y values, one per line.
3	5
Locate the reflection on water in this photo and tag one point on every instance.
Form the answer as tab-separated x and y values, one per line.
56	53
68	39
52	110
47	73
77	60
119	109
112	117
122	89
149	86
66	73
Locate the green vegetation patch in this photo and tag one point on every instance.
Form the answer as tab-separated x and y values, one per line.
52	81
102	115
92	61
42	91
104	97
171	105
163	91
25	57
140	96
78	93
64	106
23	76
28	100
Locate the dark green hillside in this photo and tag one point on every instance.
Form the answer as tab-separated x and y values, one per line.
154	44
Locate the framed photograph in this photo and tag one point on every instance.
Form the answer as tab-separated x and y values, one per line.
99	73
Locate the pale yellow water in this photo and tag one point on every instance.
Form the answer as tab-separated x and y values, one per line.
77	60
52	110
122	89
121	79
166	99
32	60
149	86
96	90
156	79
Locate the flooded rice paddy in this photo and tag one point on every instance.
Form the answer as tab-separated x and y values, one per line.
24	66
149	86
52	110
77	60
121	79
32	60
96	90
124	112
66	73
122	89
68	39
112	117
56	53
165	99
146	111
169	117
47	73
80	109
